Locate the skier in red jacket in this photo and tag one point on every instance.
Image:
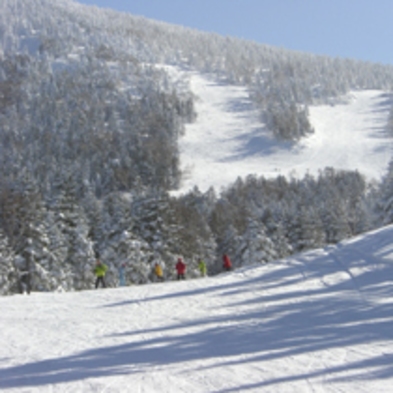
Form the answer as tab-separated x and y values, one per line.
227	264
181	269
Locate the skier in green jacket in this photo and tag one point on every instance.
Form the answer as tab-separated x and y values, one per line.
202	267
100	270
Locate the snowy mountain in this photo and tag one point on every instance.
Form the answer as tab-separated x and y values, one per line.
86	76
319	321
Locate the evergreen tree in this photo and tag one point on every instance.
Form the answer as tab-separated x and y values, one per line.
71	220
280	241
311	232
121	244
255	246
8	273
124	248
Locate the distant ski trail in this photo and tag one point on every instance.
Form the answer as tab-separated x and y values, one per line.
228	139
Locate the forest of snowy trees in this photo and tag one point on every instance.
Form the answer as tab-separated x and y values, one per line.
89	128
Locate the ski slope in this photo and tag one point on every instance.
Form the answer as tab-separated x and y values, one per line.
316	322
228	140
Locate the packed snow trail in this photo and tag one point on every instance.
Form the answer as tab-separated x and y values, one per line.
317	322
228	140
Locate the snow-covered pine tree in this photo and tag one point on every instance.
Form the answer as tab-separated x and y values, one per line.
54	259
73	223
136	254
93	208
311	232
382	197
120	244
335	204
30	239
335	223
8	273
276	232
255	246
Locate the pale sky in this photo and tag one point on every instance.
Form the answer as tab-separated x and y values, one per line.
359	29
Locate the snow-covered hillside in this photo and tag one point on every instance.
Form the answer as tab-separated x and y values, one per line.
317	322
228	140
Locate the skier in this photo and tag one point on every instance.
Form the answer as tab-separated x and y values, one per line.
202	267
181	269
100	270
25	267
158	272
24	282
122	280
24	277
227	264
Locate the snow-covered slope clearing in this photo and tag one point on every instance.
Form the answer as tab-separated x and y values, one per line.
317	322
227	140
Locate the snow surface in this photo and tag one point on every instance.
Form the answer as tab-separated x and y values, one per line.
228	139
321	321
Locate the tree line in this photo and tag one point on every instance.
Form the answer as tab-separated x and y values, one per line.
256	220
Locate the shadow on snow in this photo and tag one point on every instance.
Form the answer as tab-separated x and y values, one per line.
279	323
